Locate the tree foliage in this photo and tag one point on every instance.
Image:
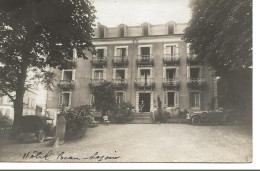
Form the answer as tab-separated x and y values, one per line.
36	34
104	97
220	33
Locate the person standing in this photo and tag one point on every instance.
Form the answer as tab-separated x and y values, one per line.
142	106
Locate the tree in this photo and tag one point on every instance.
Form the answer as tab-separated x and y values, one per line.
35	35
104	97
220	33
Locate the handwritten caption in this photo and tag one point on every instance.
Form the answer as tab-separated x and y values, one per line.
63	156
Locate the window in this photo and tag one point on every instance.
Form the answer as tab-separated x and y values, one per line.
145	73
170	73
65	101
194	72
122	31
101	31
145	30
171	50
121	52
70	53
120	97
100	53
170	28
171	99
98	74
145	51
120	74
67	75
195	99
92	99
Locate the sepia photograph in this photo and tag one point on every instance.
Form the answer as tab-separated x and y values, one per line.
126	81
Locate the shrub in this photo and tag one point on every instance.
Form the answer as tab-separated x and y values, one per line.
182	113
77	119
123	112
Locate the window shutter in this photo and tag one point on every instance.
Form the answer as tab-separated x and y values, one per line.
139	50
126	73
176	99
74	74
114	73
105	52
168	50
118	52
62	74
165	99
104	74
70	99
188	72
124	96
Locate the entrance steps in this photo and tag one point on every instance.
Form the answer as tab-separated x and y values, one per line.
142	118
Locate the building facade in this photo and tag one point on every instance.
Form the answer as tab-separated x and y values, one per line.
29	100
143	63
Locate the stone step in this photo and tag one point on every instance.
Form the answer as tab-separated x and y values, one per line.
141	121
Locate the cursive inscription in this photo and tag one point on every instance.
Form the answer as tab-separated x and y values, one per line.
63	156
38	155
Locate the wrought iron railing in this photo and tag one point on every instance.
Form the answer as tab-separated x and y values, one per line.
169	59
119	83
196	82
66	84
120	60
96	82
145	60
143	83
99	61
171	82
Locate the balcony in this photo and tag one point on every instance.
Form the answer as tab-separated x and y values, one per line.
196	83
120	61
171	83
119	84
96	82
192	59
145	84
171	59
99	61
144	60
66	84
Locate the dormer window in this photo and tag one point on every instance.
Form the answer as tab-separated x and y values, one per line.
101	31
145	30
122	31
170	28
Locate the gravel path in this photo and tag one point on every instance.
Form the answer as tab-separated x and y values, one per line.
143	143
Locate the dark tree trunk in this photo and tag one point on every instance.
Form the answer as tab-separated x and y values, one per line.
18	102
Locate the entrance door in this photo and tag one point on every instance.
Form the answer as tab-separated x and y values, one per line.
144	102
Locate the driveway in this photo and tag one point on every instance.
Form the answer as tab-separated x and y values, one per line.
142	143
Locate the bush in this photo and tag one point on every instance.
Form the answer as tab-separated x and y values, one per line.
162	116
182	113
77	119
123	113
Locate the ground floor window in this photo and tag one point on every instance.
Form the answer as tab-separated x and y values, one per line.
120	97
171	99
65	99
195	99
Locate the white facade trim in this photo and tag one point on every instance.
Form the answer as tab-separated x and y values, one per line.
153	40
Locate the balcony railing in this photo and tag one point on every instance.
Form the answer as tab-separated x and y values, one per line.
96	82
99	61
171	83
192	59
145	84
66	84
120	61
120	84
196	83
145	60
171	59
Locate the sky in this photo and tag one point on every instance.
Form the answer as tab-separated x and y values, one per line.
111	13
